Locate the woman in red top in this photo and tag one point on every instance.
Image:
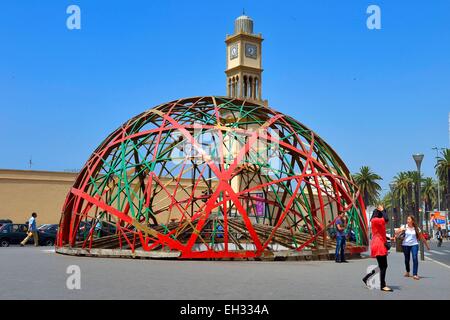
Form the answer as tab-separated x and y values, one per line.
378	248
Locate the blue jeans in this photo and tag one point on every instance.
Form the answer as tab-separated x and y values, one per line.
340	248
414	250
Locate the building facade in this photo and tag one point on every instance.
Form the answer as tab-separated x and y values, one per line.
23	192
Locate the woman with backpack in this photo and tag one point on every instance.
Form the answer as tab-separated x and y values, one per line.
410	235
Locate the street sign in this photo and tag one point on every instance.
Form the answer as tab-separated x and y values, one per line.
439	218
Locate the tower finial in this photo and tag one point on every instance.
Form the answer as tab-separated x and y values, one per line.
243	11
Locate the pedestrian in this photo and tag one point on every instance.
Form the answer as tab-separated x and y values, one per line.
410	236
378	247
439	236
340	238
98	228
32	231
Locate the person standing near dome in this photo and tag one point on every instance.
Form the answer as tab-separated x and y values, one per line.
340	225
378	247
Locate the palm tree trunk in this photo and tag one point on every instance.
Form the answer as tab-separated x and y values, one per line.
366	198
409	203
403	210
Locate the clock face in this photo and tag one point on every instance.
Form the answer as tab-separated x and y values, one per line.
233	51
251	50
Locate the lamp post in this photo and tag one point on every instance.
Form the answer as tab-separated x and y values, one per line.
438	189
438	180
418	159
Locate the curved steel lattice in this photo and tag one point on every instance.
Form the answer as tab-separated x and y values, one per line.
211	177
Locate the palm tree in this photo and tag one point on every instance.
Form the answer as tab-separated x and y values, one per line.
429	196
387	200
366	180
416	183
443	171
402	182
429	192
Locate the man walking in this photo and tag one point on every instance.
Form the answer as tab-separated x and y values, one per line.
340	238
439	236
32	231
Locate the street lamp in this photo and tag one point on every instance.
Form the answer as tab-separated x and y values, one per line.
418	159
431	230
438	180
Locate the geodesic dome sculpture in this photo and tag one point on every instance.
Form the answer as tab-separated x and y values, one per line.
211	177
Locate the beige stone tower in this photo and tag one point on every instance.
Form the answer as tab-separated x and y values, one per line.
244	64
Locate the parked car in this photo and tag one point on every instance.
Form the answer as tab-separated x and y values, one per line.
47	234
83	230
51	228
106	229
5	221
43	226
13	233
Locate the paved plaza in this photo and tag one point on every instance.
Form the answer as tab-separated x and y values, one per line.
39	273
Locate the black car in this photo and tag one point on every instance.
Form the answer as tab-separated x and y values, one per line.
101	229
5	221
12	233
47	234
48	228
83	231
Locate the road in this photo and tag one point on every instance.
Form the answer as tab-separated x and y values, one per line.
440	254
39	273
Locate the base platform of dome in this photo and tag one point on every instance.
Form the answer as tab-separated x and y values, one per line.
211	177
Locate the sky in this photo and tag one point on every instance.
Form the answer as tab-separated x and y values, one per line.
376	96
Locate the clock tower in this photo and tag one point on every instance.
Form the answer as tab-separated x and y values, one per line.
244	66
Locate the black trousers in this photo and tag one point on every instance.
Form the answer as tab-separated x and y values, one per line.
382	264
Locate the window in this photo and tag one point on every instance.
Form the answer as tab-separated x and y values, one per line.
5	229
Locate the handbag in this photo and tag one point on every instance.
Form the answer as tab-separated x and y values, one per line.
402	236
387	244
